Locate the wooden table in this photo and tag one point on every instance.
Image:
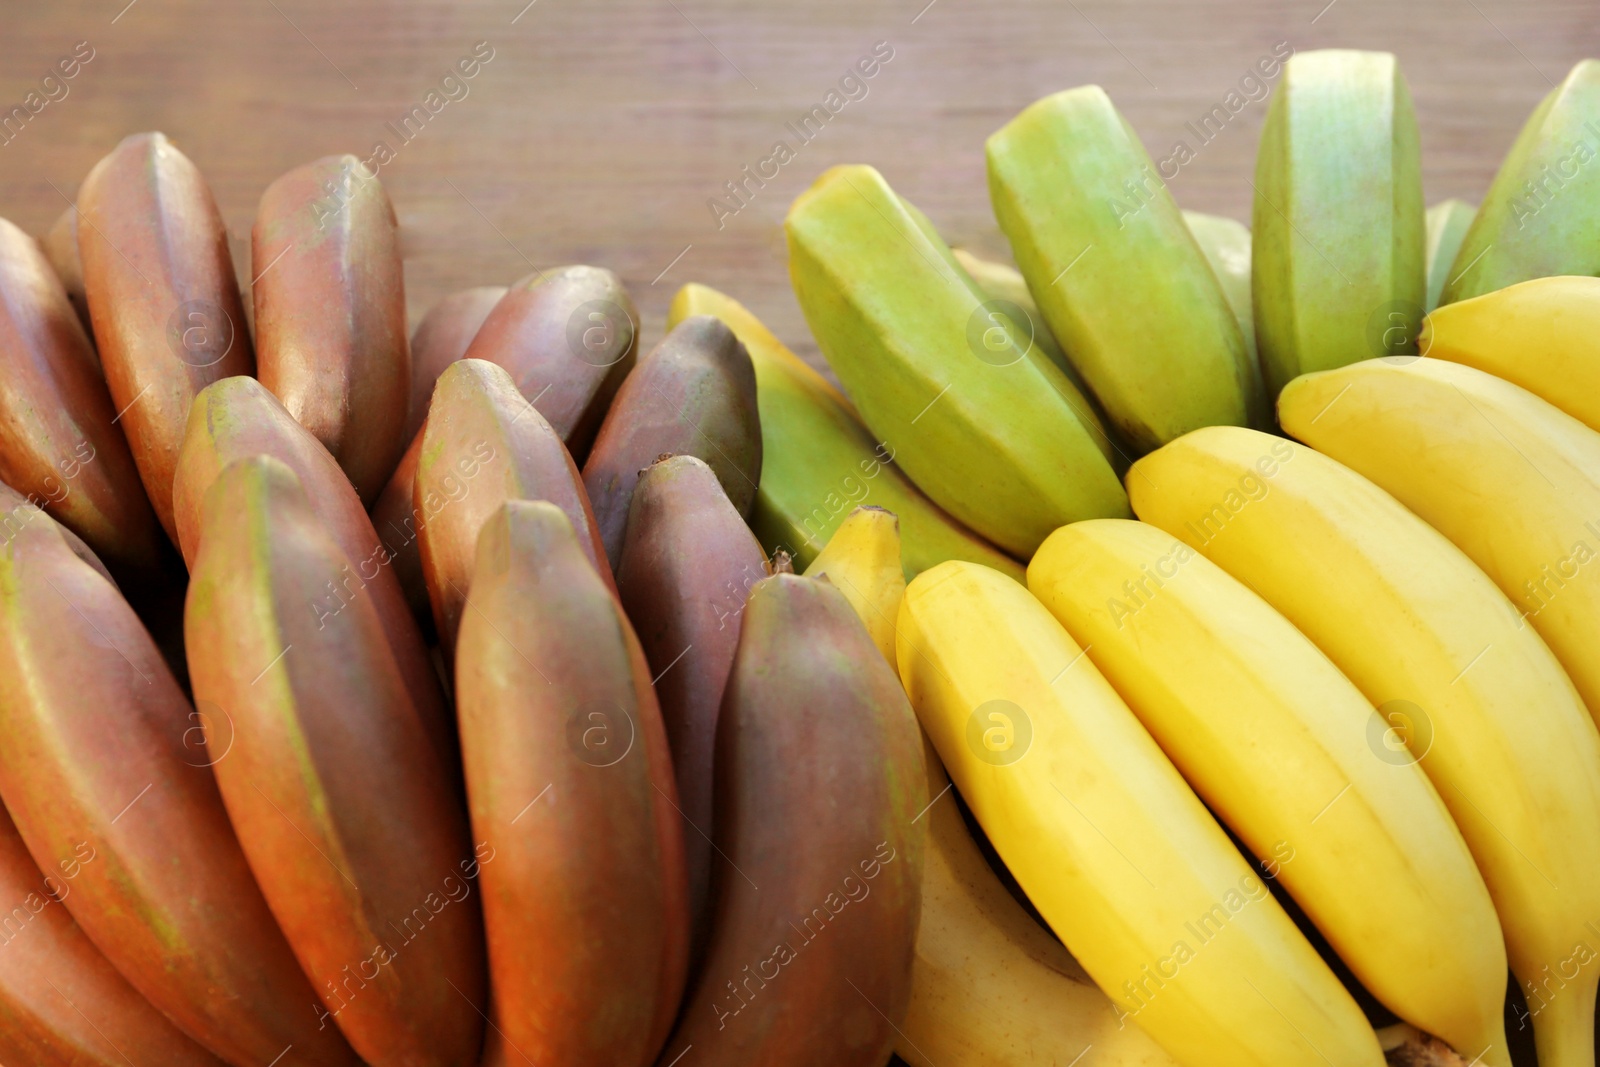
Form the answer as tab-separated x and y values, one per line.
599	130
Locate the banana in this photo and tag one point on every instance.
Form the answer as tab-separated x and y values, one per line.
1274	739
1107	840
59	444
990	987
1446	224
162	296
330	313
348	818
817	459
1338	220
819	782
60	247
61	1001
1541	215
568	336
694	394
686	565
441	338
572	800
1543	335
1091	225
484	444
933	370
862	560
1003	283
107	764
1226	244
1514	482
398	524
237	418
1445	658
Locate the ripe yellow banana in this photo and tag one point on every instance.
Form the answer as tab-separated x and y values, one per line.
1275	740
1544	335
1446	659
1446	223
1107	840
862	560
990	987
1512	481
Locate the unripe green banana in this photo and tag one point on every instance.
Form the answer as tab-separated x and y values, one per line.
932	369
1118	275
1447	223
1226	244
1338	219
1541	215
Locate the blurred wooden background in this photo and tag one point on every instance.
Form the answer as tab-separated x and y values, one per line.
600	128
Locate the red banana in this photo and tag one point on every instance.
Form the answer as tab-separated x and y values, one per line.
440	339
571	785
60	247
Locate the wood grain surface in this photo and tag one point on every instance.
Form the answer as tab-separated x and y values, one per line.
599	130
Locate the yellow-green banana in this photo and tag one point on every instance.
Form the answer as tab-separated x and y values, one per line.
1226	244
1446	223
986	431
990	987
1001	282
1276	742
1119	277
862	560
1541	215
1543	335
1107	840
1467	688
1338	219
820	461
1514	482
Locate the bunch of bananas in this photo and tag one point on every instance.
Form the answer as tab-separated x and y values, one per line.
1191	660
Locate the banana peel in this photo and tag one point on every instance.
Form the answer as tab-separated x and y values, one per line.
1446	224
1541	215
1120	279
1226	245
819	460
1338	219
933	370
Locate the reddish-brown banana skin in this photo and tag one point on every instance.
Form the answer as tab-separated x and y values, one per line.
570	783
102	751
687	564
237	418
162	296
441	338
820	778
61	1001
399	524
568	336
58	444
60	247
485	444
693	395
330	306
355	833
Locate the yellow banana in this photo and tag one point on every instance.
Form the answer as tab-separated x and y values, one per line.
990	987
1543	335
1511	480
1226	244
1107	840
862	559
1446	223
819	459
1275	740
1441	652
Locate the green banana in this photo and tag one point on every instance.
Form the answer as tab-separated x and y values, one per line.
1338	245
1541	216
1447	223
1226	244
1118	275
818	461
939	373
